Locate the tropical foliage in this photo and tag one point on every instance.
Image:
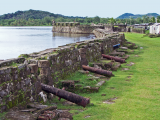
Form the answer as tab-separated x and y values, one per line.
42	18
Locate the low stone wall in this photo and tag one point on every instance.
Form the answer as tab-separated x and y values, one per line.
138	30
78	29
119	29
115	27
20	78
19	83
74	28
100	33
108	27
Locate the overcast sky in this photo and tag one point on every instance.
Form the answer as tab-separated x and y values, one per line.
83	8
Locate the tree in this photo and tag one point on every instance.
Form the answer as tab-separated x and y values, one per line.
158	19
96	19
112	20
139	20
152	20
47	20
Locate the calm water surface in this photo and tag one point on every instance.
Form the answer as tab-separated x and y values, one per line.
24	40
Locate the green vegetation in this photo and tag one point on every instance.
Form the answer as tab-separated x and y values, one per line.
153	35
146	31
84	79
14	64
136	91
43	18
128	15
2	115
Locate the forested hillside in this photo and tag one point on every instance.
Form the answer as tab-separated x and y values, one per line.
32	14
130	15
43	18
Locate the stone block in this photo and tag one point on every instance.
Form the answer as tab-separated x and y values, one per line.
43	63
82	50
21	66
27	81
68	62
33	61
65	114
44	71
33	68
22	70
3	108
20	60
18	85
68	83
42	78
3	93
7	77
37	87
14	70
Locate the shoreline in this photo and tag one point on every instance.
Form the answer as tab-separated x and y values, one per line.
25	26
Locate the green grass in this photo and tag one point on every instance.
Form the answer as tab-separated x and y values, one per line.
2	115
14	64
146	31
84	79
138	97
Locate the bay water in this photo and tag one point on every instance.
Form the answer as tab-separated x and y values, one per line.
25	40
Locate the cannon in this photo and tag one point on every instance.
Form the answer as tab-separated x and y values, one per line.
98	71
114	58
79	100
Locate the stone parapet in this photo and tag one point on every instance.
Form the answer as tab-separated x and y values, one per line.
20	78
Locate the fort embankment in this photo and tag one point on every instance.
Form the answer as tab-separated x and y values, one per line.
20	78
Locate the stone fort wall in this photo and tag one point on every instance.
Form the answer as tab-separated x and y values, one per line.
74	28
20	78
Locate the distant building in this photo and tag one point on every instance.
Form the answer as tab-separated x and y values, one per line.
143	25
155	28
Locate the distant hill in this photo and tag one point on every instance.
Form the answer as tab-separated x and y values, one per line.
128	15
34	14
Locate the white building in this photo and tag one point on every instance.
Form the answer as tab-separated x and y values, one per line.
155	28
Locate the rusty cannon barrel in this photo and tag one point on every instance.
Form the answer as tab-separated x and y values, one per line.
98	71
79	100
114	58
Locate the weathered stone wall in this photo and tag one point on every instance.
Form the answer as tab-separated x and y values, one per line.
100	33
19	83
115	27
120	28
108	27
74	28
20	78
138	30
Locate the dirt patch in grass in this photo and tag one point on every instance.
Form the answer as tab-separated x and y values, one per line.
136	55
112	88
128	80
103	95
129	77
131	63
125	69
100	76
67	103
87	116
110	101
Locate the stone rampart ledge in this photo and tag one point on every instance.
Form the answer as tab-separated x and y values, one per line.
102	33
8	62
37	55
20	78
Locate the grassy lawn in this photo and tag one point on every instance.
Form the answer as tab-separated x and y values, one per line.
136	91
138	96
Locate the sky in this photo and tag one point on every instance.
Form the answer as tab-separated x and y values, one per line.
83	8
